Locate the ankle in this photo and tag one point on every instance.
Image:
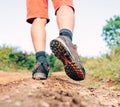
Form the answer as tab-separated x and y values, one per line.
40	56
66	32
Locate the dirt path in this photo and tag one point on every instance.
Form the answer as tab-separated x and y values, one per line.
19	90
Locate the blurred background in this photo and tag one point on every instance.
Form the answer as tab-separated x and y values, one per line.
90	16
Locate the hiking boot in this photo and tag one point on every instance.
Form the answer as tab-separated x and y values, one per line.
64	50
41	69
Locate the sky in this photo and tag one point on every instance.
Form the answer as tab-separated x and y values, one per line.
90	17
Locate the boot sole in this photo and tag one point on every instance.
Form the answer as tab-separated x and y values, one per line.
62	52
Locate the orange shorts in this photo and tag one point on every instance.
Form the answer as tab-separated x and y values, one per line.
39	8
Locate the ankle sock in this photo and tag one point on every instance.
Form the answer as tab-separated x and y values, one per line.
66	32
40	55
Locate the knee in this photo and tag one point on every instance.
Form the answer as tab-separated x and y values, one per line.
39	21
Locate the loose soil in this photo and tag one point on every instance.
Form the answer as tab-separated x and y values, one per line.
19	90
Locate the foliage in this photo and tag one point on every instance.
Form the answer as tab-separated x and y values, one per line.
105	68
14	59
11	58
4	53
55	64
58	66
51	60
4	57
111	32
22	60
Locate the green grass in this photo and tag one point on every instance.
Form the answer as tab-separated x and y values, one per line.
106	67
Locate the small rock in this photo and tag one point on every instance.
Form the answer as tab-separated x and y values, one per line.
18	103
5	97
9	101
43	104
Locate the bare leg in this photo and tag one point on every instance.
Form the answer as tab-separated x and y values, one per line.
65	18
38	34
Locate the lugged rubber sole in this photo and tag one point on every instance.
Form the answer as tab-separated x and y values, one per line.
62	53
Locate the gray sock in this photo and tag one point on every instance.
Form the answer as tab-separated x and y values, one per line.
66	32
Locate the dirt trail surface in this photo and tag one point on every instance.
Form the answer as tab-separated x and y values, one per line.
19	90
